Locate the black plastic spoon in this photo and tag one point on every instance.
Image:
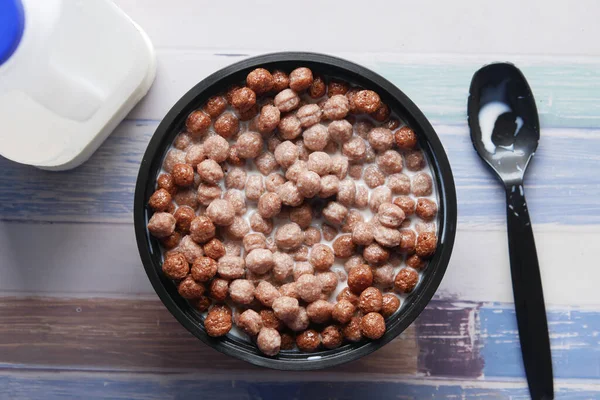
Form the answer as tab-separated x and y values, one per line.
505	132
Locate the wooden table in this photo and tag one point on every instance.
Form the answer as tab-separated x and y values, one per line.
78	317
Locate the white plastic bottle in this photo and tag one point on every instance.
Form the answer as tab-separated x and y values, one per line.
70	71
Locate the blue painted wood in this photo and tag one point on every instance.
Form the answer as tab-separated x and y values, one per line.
562	184
127	386
574	337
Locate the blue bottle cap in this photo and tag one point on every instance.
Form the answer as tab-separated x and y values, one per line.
12	23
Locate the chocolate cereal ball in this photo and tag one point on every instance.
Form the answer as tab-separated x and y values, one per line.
329	232
384	276
361	199
254	241
269	205
204	269
331	337
309	288
336	107
316	137
301	79
286	308
289	236
340	131
160	199
220	212
286	154
415	160
343	246
309	184
309	115
268	119
346	294
297	169
302	215
303	268
289	290
426	209
390	215
380	139
202	304
175	266
308	340
416	262
243	99
328	280
362	234
374	254
231	267
330	185
351	331
266	293
370	300
390	162
197	123
289	127
190	289
335	213
215	106
408	241
280	80
260	261
319	311
165	181
317	88
389	305
343	311
372	325
312	236
373	177
250	322
406	203
382	113
406	280
289	194
216	148
202	229
379	195
319	162
355	149
219	289
171	241
269	320
283	266
269	341
183	175
190	249
249	145
405	138
210	172
360	278
260	224
353	218
399	184
426	244
260	81
286	100
321	257
366	101
254	187
238	229
218	321
227	125
161	224
241	291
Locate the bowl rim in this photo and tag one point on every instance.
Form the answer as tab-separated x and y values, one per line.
430	143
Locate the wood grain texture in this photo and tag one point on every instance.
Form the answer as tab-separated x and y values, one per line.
562	185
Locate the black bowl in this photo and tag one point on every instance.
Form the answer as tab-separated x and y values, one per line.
329	66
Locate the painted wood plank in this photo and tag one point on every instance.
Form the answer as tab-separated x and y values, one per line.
565	89
562	184
101	260
464	26
268	385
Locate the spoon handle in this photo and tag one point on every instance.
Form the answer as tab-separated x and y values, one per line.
529	297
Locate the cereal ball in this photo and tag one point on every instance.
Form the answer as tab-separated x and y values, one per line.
301	254
233	157
370	300
416	262
316	137
201	304
375	254
215	106
286	100
218	321
171	241
330	185
426	244
235	178
202	229
319	162
331	337
286	154
340	131
286	308
289	194
268	341
360	278
337	87
319	311
289	127
373	177
406	203
272	143
300	322
238	229
355	171
266	163
227	125
355	149
194	155
241	291
312	236
296	170
250	322
280	80
362	234
216	148
161	224
347	295
343	246
346	192
220	212
302	215
210	172
309	115
243	99
372	325
249	114
408	241
289	236
380	139
254	241
353	218
328	281
384	276
254	187
318	88
406	280
273	181
308	341
232	248
236	199
266	293
231	267
176	266
230	91
351	331
343	311
362	197
370	154
249	145
268	119
321	257
288	342
173	157
182	141
190	289
309	287
190	249
260	81
165	181
399	184
309	184
426	209
160	200
260	224
335	213
329	232
289	290
415	160
269	320
197	123
382	113
390	215
301	79
336	107
405	138
269	205
183	175
380	195
283	264
390	305
204	269
390	162
392	124
366	101
260	261
219	289
363	127
302	150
